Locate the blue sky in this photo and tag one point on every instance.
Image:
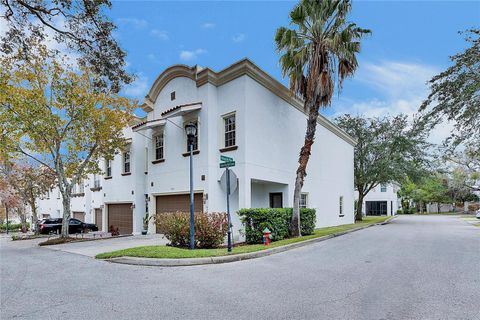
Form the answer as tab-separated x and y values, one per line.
411	42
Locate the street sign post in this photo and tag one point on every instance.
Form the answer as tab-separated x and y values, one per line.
228	162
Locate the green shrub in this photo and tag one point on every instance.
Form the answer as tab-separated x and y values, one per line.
13	226
277	220
210	228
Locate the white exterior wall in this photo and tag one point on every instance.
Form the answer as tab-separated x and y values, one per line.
391	196
269	134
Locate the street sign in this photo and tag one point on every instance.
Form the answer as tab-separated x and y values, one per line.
227	164
233	181
225	158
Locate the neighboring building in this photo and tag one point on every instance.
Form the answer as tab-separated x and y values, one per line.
241	112
381	200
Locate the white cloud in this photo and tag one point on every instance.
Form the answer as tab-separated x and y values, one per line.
208	25
136	23
137	89
159	34
239	37
191	55
404	87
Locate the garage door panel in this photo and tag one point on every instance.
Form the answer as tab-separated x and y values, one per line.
79	215
179	202
121	216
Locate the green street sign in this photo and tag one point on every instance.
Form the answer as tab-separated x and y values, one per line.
224	158
227	164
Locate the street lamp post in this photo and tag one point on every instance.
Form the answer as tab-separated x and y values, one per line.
191	131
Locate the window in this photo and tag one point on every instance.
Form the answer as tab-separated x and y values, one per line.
383	187
108	168
96	181
126	162
74	188
229	125
172	96
159	146
303	200
81	187
58	194
48	194
341	214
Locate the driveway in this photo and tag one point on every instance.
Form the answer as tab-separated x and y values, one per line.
417	267
92	248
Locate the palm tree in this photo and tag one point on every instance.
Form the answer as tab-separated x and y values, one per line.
318	53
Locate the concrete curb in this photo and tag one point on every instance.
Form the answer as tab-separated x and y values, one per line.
232	258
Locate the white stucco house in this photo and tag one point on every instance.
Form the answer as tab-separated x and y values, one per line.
240	112
381	200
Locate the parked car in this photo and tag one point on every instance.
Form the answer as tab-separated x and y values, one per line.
478	214
48	226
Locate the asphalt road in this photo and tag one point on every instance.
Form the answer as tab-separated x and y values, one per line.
413	268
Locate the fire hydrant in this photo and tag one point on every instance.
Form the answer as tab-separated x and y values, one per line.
266	236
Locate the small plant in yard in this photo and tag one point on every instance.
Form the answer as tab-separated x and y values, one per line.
210	228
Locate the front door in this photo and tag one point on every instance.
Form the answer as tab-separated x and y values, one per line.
276	200
98	219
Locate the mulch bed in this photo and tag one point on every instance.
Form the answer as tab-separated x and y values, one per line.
53	241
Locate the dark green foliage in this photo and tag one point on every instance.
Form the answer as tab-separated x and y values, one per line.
13	226
277	220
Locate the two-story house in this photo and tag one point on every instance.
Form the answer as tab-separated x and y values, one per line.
240	112
381	200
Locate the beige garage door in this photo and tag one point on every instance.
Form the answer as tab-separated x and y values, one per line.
121	216
79	215
179	202
98	218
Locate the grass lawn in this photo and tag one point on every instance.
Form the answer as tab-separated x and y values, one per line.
178	253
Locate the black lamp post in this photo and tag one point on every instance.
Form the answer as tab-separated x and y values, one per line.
191	131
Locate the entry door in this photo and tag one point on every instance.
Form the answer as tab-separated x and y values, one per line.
98	218
276	200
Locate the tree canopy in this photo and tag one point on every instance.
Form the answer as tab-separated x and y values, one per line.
58	118
81	25
455	96
387	150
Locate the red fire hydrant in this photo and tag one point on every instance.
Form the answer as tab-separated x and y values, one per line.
266	236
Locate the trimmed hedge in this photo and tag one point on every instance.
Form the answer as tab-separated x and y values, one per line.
13	226
277	220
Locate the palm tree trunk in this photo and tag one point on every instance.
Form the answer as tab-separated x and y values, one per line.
302	168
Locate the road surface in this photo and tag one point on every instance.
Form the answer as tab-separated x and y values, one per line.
417	267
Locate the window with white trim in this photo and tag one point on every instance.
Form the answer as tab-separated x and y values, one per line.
340	206
74	188
303	200
96	181
229	130
108	168
81	187
126	162
58	194
159	146
383	187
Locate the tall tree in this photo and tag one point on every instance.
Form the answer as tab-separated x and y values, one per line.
387	150
318	53
455	96
58	118
80	24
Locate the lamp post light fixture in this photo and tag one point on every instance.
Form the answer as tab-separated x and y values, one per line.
191	131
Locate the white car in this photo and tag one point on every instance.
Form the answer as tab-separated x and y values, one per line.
478	214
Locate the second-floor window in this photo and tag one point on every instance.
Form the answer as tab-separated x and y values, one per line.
81	187
126	162
96	181
108	168
229	123
383	187
74	188
159	147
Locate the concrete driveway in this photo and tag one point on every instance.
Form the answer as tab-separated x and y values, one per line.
416	267
92	248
